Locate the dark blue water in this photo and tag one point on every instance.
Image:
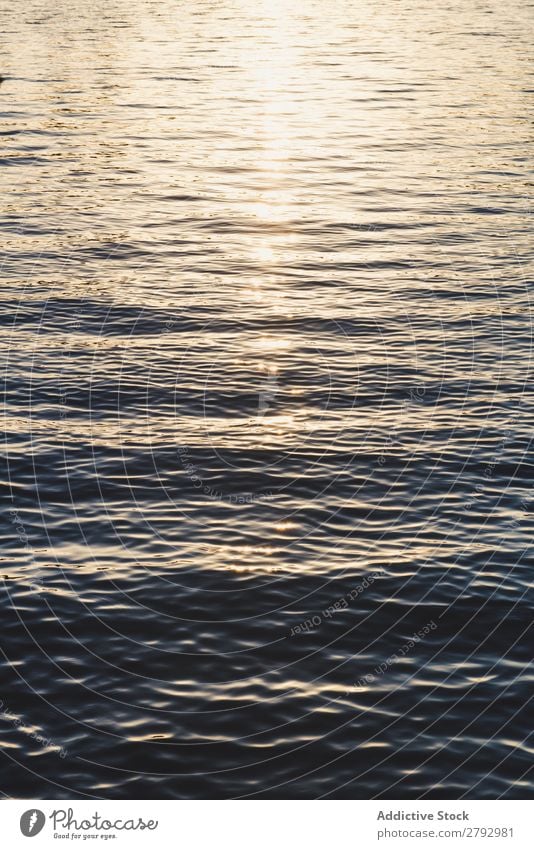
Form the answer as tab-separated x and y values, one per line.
266	357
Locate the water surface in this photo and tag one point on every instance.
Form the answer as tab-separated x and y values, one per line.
266	338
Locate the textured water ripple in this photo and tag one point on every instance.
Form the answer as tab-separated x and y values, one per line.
266	396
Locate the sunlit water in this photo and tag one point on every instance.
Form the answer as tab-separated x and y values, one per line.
266	327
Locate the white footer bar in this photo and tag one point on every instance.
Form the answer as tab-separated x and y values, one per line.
267	824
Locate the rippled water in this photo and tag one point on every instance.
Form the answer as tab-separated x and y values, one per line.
267	336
